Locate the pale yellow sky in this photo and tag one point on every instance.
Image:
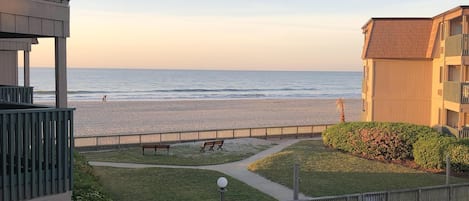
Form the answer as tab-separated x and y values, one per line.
267	35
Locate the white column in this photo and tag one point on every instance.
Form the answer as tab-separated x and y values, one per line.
60	72
26	69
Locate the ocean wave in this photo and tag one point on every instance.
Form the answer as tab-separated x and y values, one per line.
180	91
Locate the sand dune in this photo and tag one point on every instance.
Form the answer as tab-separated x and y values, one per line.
135	117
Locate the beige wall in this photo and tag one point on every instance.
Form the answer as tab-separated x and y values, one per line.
367	93
8	68
437	111
402	91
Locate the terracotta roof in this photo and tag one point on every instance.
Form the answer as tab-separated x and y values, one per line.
398	38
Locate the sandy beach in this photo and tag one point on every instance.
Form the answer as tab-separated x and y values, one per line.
136	117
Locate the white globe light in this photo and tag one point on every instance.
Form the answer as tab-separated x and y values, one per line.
222	182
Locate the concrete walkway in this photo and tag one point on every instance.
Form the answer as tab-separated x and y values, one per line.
236	170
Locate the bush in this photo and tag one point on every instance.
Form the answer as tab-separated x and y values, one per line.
431	151
85	185
459	155
379	140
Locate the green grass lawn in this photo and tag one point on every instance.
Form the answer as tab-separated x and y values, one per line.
185	154
172	184
328	172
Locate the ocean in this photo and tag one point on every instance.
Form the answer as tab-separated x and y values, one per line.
140	84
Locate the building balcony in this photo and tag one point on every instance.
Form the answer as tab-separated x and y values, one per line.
457	45
456	92
16	94
36	151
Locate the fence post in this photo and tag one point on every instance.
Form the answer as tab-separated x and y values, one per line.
419	195
448	169
296	181
96	141
450	193
297	130
119	142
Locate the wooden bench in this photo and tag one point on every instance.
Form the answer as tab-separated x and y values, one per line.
155	147
211	145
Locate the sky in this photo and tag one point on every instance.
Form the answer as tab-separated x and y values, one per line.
225	34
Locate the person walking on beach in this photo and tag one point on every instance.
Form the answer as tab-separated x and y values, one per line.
104	98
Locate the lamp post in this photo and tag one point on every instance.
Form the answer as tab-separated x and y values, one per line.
222	182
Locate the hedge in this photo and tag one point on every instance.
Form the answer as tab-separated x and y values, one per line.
378	140
85	184
431	151
399	141
459	155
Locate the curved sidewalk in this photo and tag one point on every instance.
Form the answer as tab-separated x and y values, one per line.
236	170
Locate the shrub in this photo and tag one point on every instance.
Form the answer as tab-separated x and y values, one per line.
388	141
85	185
430	152
459	155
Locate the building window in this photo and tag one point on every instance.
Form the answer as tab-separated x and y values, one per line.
452	118
439	116
454	73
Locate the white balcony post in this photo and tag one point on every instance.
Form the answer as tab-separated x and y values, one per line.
26	69
60	72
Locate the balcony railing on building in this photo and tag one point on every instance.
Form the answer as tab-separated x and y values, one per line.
464	132
457	45
456	92
16	94
36	151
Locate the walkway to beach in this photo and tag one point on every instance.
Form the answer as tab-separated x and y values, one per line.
237	170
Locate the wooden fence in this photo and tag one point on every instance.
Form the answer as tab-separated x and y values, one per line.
187	136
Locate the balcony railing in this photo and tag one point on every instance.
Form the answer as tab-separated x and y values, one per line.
457	45
36	151
464	132
456	92
16	94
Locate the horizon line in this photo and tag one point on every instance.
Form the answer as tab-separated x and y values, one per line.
199	69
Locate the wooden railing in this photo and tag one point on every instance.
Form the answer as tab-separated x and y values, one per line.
187	136
16	94
36	151
464	132
457	45
456	92
455	192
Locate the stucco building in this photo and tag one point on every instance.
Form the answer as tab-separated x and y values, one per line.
416	70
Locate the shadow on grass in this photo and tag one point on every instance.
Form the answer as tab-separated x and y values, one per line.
186	154
327	172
